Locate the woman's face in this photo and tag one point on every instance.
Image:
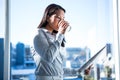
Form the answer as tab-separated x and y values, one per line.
54	20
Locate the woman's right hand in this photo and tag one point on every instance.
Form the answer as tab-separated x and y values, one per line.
63	25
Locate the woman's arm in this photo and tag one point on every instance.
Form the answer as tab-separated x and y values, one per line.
48	51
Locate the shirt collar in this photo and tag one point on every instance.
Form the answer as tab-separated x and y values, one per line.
44	29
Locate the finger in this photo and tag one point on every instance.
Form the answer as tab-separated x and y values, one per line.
61	22
66	25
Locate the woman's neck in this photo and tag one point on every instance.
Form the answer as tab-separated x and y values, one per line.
49	29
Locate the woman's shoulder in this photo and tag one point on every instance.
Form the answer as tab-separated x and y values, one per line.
40	32
40	36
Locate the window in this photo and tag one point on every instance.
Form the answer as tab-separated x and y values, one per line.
94	24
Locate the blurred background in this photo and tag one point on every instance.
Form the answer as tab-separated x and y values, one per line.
94	25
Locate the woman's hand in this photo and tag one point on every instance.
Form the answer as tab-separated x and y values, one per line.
87	71
63	25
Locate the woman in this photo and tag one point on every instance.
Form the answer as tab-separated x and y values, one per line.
49	43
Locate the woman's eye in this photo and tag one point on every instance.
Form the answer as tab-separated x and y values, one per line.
58	17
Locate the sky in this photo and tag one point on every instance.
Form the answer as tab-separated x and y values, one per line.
25	16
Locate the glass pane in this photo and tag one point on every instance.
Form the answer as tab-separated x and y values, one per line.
2	19
2	36
92	29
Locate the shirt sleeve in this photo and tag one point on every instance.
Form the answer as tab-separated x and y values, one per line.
48	51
